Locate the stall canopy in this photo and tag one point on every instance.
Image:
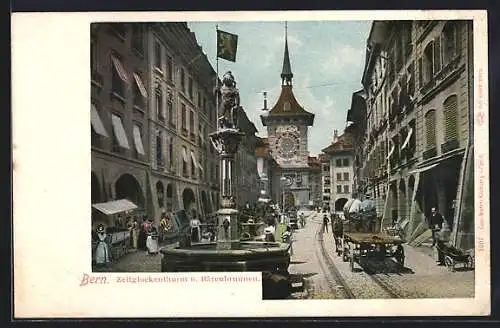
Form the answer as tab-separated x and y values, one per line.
115	206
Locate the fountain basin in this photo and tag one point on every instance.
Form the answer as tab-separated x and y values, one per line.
251	256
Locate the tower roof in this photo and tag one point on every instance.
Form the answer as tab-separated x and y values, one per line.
286	72
287	105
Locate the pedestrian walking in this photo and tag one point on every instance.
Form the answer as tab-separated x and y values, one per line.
325	223
436	224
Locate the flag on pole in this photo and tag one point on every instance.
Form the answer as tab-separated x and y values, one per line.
227	43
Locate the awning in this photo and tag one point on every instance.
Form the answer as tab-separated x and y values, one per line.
115	206
391	152
138	140
184	155
96	122
120	131
407	140
122	73
140	85
195	162
425	168
263	200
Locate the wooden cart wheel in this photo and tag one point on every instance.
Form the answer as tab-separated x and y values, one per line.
470	262
450	264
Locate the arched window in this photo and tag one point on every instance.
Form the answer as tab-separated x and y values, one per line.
450	42
450	118
430	129
428	62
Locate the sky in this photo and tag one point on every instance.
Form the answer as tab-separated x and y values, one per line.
327	60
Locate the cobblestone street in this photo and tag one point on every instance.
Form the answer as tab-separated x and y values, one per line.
421	277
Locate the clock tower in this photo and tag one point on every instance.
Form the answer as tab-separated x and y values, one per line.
287	125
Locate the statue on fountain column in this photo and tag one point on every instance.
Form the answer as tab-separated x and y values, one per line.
230	102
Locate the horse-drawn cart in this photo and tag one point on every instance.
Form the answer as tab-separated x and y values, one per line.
361	237
358	245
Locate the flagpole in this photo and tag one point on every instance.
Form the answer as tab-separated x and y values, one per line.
217	79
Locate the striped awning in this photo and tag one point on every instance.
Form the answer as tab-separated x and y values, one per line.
120	69
140	85
115	206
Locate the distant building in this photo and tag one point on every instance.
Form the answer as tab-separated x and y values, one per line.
315	181
287	125
266	170
338	177
246	179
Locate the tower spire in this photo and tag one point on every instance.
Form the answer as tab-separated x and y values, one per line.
286	73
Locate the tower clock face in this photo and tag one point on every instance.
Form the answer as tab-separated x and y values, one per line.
288	145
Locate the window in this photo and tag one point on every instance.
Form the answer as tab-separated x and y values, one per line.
450	42
184	161
193	166
338	162
450	118
157	53
339	189
160	194
119	76
170	68
326	168
159	149
139	147
407	44
170	109
183	119
428	63
199	100
345	162
191	124
120	140
183	81
159	104
137	38
346	189
190	88
139	91
171	152
437	55
339	176
430	129
346	176
327	191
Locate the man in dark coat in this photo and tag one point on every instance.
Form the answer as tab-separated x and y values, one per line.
435	223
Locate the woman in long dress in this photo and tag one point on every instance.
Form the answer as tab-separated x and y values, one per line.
102	251
152	241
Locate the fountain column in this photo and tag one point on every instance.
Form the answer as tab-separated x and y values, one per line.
226	141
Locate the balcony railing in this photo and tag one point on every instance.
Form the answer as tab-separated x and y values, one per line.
430	153
449	145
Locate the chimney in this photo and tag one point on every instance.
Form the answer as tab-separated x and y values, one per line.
265	100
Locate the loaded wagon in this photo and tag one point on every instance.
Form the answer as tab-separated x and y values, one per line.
362	237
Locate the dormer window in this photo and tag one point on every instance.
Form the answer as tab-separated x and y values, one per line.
286	106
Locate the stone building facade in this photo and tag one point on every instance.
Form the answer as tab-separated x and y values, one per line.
416	132
315	181
184	164
266	170
153	107
246	182
119	115
287	125
338	173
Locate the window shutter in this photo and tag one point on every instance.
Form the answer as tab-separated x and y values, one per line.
450	118
430	129
437	54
